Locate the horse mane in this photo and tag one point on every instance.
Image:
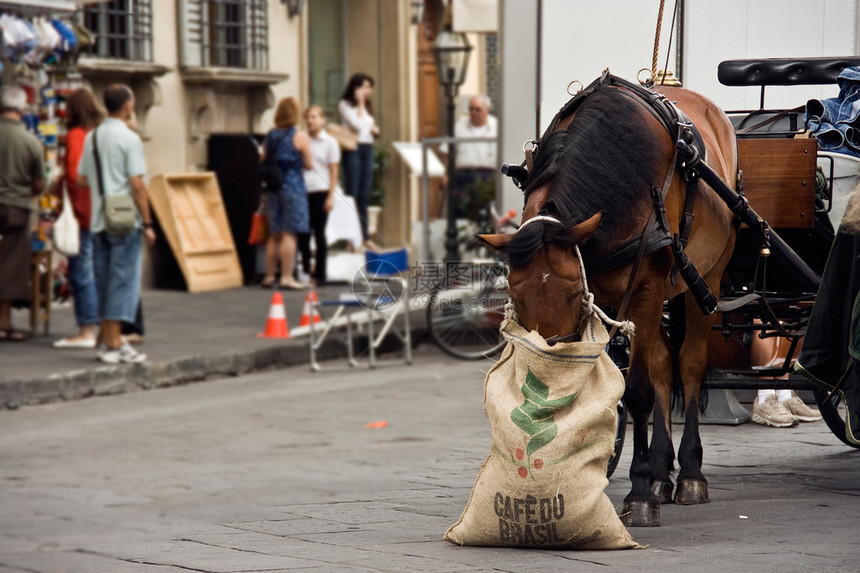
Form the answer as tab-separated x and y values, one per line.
606	160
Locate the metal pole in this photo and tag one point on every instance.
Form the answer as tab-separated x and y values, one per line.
425	202
451	253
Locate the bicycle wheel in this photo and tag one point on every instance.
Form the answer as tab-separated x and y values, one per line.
833	411
619	350
620	433
465	322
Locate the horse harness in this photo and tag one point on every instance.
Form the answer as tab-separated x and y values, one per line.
656	234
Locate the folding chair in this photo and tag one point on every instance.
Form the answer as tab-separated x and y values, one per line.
379	294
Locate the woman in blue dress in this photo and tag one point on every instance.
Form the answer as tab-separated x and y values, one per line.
287	209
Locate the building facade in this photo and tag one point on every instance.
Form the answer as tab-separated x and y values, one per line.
201	68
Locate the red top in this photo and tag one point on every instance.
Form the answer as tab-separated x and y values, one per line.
80	196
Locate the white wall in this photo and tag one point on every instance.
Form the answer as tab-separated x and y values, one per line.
580	38
739	29
516	110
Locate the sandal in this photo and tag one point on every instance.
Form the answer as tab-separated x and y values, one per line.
293	284
267	283
12	335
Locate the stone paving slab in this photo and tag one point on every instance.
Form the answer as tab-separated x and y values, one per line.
276	471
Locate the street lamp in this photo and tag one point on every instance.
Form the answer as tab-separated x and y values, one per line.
451	52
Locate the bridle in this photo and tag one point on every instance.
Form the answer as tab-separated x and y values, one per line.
587	304
656	234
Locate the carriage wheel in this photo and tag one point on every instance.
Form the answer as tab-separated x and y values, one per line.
619	350
833	411
465	322
620	432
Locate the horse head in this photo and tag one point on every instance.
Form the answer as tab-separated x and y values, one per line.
545	280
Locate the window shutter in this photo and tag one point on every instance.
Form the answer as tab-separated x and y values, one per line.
191	25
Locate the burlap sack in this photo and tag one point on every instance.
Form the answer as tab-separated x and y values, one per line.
552	411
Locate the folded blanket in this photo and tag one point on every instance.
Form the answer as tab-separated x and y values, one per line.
836	121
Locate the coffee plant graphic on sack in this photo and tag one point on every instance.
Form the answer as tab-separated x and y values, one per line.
536	417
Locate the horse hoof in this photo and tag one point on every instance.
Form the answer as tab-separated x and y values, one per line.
641	514
662	490
691	491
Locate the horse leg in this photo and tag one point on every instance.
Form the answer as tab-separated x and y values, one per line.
692	485
641	506
662	449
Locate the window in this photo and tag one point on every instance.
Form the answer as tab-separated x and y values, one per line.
123	29
225	33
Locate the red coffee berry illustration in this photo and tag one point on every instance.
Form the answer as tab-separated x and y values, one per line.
523	472
538	464
520	454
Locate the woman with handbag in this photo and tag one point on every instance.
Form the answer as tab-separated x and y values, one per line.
356	112
82	115
286	207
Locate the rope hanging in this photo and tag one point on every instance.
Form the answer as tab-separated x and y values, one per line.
625	327
656	53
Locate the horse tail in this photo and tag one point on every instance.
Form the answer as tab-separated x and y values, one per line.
676	331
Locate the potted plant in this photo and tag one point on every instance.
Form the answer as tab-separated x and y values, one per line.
377	194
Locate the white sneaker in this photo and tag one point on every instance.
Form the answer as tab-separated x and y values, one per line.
772	413
124	353
75	343
800	410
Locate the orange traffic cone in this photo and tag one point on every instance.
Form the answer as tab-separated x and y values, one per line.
276	326
306	310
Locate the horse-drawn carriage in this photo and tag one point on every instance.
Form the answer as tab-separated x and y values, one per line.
801	192
724	220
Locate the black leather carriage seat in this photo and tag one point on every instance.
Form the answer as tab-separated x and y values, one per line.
783	71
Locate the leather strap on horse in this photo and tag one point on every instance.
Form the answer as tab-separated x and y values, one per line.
625	302
681	129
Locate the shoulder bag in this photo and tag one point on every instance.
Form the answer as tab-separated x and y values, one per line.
345	137
271	178
67	232
120	211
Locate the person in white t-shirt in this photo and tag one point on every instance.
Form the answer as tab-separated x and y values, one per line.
321	181
356	113
474	162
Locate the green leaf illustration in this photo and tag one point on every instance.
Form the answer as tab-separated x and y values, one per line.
536	415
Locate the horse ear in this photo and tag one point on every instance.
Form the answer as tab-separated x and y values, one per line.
498	242
584	230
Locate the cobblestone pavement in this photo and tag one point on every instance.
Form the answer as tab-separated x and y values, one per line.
277	471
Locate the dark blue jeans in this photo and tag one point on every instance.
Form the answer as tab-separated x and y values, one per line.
117	263
358	171
83	281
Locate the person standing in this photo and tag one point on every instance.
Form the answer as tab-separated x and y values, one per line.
287	208
475	162
22	177
82	116
321	182
356	113
117	259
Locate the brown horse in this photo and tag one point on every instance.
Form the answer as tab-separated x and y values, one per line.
594	172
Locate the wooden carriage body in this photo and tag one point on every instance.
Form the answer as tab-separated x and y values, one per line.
799	191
